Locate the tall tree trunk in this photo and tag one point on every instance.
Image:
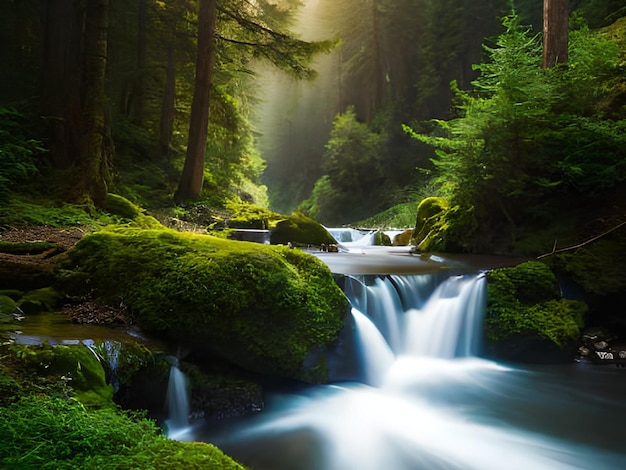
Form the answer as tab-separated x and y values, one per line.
61	79
555	32
190	184
166	125
96	146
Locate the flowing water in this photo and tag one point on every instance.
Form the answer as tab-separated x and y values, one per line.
426	400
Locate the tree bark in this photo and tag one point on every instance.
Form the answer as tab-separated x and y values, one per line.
190	184
95	143
555	32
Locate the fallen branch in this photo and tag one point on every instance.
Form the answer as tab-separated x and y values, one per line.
580	245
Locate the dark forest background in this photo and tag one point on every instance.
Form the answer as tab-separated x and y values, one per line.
339	109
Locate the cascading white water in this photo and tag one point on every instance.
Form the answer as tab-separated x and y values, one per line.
432	403
177	403
448	325
374	353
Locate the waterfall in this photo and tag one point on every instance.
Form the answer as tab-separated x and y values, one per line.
419	315
177	403
374	353
425	400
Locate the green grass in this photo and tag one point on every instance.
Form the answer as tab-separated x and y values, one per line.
43	432
400	216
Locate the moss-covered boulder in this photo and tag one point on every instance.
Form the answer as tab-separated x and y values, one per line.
129	212
527	320
430	223
300	230
264	308
77	366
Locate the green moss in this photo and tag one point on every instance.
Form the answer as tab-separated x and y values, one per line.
18	212
430	223
133	214
300	229
264	308
526	300
7	307
40	300
77	366
246	215
128	358
25	248
120	206
52	433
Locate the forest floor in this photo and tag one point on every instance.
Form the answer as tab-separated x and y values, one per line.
83	310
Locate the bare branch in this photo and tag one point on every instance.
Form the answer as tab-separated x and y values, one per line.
580	245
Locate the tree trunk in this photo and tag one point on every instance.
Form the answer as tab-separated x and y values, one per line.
95	143
555	32
190	184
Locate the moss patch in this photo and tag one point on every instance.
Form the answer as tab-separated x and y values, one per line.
25	248
525	300
76	366
264	308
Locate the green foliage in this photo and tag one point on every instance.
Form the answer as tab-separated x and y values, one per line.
398	216
18	151
262	307
246	215
529	140
526	300
353	168
52	433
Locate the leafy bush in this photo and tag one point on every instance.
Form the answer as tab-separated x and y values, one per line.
18	152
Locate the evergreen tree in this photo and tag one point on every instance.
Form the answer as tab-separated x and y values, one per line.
526	143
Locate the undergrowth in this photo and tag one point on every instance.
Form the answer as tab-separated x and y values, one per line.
54	433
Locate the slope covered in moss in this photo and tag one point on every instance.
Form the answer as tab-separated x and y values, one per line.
263	308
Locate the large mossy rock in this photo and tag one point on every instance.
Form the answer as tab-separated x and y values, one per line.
264	308
76	365
430	224
527	319
300	230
